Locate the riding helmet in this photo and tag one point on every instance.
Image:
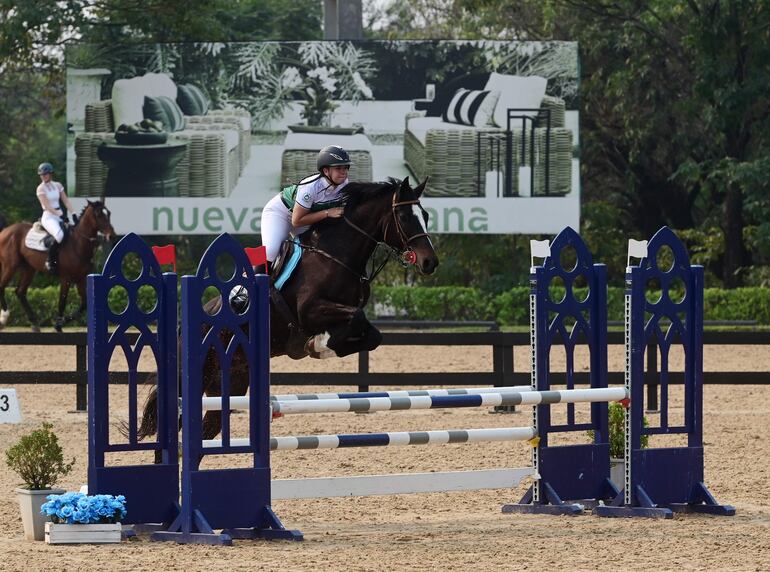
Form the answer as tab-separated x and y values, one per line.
332	156
44	169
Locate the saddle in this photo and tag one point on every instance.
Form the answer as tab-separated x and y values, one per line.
283	267
37	238
285	263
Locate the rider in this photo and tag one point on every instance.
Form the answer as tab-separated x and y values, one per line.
51	195
313	199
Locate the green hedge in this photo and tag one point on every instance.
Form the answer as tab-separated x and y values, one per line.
435	303
512	307
45	301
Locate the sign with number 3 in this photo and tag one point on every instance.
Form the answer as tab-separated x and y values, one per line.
9	406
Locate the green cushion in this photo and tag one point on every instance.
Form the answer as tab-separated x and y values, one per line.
165	110
191	100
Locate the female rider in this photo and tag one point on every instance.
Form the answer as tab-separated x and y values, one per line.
51	195
313	199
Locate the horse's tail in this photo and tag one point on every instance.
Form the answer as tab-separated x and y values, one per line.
149	424
3	222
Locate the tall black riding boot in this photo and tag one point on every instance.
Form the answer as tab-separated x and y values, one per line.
52	264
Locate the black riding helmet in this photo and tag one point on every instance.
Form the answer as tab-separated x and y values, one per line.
44	169
332	156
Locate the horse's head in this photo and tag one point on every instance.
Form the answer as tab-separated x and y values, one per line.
96	217
409	231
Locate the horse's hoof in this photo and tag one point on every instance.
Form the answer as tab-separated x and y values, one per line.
35	330
58	325
316	347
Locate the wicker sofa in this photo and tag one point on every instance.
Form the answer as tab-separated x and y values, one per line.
219	146
456	157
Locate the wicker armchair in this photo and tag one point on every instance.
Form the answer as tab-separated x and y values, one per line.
456	158
207	169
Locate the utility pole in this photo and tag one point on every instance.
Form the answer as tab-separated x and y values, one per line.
343	20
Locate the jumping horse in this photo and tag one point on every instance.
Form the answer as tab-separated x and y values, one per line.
75	263
319	311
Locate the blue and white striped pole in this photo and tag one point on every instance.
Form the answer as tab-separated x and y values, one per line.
362	404
394	439
399	393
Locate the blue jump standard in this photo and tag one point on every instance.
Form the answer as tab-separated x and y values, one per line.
661	481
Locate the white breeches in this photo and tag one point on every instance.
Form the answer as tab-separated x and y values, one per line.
276	226
52	224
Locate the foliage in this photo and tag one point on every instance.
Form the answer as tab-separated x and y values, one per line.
511	307
77	508
617	430
33	117
38	459
674	103
737	304
270	76
438	303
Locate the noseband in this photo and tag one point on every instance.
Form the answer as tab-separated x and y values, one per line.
401	234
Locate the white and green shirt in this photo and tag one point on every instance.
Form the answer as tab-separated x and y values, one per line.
314	193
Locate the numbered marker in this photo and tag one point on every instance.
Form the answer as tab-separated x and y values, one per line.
9	406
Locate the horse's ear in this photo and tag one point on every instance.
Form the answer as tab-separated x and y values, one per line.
89	202
405	184
420	188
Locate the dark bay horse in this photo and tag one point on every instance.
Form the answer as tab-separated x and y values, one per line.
324	298
75	264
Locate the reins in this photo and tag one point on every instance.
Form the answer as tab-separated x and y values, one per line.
392	253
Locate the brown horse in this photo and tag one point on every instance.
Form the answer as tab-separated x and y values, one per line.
75	264
322	310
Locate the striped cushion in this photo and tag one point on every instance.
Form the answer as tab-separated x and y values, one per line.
192	101
165	110
471	107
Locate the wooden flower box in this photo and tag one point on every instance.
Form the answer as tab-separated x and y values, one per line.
82	533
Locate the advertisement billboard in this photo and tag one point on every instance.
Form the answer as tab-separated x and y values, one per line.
195	138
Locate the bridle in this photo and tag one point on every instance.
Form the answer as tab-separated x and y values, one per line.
405	257
401	234
83	235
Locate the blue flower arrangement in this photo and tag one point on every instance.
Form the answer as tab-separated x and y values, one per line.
77	508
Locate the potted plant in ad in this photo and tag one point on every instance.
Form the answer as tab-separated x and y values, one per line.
79	518
39	460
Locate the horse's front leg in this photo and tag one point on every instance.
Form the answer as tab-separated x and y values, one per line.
347	331
64	289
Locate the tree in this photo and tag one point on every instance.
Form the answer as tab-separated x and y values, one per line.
674	108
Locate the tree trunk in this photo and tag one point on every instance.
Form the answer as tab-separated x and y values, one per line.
735	253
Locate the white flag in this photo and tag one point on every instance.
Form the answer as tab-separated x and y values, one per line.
539	248
637	249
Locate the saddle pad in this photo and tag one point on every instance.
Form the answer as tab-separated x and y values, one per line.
288	267
35	237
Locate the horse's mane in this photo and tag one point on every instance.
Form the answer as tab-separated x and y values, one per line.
356	193
95	204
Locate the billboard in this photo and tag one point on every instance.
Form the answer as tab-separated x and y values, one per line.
195	138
